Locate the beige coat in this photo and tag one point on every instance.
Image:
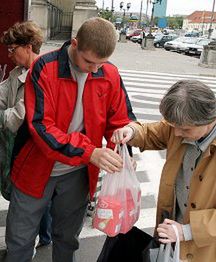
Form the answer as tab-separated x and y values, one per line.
12	113
12	110
201	206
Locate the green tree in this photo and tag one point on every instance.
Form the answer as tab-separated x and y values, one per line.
106	14
175	22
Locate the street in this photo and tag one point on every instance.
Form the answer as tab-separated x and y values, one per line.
146	75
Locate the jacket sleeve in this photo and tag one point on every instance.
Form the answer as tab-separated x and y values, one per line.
203	227
12	117
150	136
120	112
72	149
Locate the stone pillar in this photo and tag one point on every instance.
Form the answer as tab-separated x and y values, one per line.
83	10
39	13
148	43
208	56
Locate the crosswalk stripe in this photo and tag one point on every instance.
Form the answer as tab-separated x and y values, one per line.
168	74
161	80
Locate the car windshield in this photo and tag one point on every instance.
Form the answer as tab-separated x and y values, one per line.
179	39
203	42
190	40
158	37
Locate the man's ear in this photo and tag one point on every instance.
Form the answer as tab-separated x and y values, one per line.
74	43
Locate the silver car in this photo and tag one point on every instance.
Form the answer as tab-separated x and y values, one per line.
197	48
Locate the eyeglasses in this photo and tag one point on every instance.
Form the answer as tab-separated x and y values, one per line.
12	50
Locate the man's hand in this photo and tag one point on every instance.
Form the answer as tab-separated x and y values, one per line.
122	135
106	159
167	233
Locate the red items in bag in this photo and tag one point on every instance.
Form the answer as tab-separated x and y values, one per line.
108	217
118	204
131	216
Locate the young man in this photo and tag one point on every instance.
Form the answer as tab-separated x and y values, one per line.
188	183
73	99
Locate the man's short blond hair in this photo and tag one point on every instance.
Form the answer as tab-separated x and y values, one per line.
97	35
23	34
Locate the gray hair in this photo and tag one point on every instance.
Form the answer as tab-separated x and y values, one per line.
189	102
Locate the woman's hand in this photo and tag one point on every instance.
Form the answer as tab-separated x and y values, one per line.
166	232
122	135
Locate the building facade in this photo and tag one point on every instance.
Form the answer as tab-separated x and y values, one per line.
160	9
61	18
200	21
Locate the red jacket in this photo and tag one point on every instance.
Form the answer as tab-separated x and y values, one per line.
50	98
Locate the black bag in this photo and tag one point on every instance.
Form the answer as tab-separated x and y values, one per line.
127	247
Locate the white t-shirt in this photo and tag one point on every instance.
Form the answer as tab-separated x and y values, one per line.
76	124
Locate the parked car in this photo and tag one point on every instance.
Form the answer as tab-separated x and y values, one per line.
133	33
136	38
173	45
186	41
162	39
197	48
192	34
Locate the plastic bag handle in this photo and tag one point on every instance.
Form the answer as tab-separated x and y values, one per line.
165	250
176	253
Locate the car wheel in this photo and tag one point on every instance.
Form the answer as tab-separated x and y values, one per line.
157	45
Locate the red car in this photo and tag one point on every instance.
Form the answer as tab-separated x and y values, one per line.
133	33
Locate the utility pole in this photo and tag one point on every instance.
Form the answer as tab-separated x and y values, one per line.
147	6
112	5
103	5
203	22
140	17
212	16
112	10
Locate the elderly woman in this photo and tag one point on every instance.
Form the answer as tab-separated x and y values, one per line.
23	41
188	182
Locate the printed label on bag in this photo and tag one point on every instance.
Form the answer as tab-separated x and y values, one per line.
102	225
103	204
104	213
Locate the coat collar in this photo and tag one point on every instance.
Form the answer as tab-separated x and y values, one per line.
22	77
64	68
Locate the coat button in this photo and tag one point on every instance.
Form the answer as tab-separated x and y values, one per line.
189	256
193	205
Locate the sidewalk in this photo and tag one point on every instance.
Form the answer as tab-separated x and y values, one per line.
130	56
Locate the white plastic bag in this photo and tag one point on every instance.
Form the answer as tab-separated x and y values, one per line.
118	204
165	253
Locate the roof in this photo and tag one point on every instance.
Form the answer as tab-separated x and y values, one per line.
201	17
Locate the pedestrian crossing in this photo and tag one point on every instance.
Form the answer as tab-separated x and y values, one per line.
145	90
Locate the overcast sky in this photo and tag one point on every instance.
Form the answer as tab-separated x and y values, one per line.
184	7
